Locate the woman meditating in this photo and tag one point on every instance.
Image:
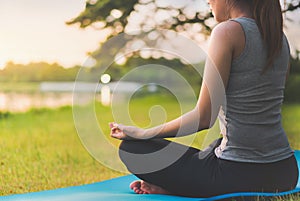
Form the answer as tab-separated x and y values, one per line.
248	56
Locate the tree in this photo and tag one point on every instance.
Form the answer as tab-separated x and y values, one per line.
185	16
120	16
37	72
136	18
133	17
292	5
117	15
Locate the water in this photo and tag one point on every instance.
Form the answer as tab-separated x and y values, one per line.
57	94
21	102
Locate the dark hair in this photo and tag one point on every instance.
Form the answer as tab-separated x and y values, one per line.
268	17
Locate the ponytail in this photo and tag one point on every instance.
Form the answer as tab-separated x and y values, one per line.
268	16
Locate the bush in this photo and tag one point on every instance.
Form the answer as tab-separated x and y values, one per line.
4	115
292	91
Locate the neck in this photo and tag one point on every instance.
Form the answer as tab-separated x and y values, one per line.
241	11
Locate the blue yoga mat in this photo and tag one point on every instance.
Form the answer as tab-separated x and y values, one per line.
118	190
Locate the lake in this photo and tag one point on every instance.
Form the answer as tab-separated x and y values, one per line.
21	102
57	94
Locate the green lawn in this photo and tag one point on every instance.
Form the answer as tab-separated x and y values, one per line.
291	123
40	149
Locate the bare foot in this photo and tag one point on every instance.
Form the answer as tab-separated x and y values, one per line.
142	187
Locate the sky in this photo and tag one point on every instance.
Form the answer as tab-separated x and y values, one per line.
35	30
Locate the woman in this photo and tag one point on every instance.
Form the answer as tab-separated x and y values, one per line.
251	55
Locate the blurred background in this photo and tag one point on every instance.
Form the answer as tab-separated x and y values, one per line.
43	46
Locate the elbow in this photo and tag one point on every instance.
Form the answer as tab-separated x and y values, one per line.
204	124
205	120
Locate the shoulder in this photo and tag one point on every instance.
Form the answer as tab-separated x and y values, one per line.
227	30
225	34
229	34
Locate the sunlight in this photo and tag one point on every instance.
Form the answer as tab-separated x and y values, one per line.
3	62
36	31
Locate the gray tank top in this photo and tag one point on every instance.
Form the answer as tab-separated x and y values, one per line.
251	120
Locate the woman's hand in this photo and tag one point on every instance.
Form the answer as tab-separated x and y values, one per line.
123	132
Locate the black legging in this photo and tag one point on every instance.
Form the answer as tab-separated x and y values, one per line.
197	173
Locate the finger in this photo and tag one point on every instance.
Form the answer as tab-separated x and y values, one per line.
114	129
116	135
120	126
111	124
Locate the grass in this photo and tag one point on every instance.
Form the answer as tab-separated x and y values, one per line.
40	149
291	125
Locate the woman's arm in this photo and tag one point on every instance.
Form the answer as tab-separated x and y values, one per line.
212	93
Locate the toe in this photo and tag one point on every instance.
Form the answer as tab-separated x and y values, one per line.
135	184
139	191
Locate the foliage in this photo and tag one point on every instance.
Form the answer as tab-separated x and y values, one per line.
132	17
24	78
187	71
178	16
36	72
295	66
4	115
118	15
123	16
292	5
42	71
136	18
292	92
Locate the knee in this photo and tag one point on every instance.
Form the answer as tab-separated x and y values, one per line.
123	146
126	147
129	149
142	146
126	154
